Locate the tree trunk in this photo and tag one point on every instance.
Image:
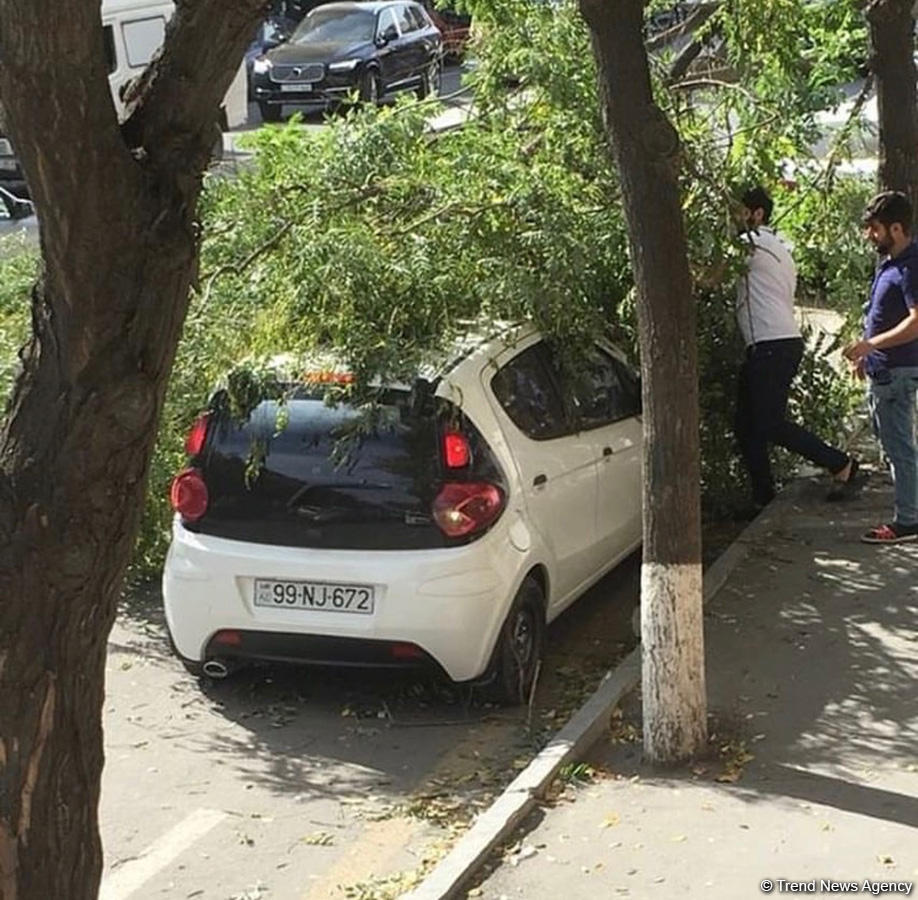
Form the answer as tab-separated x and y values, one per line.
646	150
892	42
117	206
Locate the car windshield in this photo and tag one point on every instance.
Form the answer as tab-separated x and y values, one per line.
336	26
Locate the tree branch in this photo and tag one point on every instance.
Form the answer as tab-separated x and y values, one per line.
681	63
240	267
364	192
698	83
693	22
473	212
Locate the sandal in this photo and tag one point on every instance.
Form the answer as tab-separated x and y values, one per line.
892	533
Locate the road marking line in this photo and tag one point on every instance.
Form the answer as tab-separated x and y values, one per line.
126	879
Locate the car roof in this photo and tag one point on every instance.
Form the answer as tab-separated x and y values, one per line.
369	5
476	347
113	7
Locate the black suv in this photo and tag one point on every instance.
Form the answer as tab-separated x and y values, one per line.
375	49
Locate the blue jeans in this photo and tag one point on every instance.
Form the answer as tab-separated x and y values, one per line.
891	399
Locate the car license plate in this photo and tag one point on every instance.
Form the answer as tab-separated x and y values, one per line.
297	88
8	165
324	596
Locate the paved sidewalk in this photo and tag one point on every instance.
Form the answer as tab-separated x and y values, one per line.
812	658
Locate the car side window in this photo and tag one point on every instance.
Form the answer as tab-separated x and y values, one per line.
386	22
142	38
601	390
420	17
527	393
406	22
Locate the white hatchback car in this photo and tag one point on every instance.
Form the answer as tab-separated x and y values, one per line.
479	506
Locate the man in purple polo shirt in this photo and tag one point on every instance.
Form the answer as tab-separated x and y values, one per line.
887	356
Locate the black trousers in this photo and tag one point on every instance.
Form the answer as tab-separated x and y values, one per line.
761	415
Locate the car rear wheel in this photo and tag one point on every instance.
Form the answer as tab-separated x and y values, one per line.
270	112
430	80
519	646
370	87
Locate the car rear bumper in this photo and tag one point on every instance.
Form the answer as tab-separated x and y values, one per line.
450	603
318	649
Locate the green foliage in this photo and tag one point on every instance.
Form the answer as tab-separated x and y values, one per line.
577	773
18	269
834	262
385	240
794	55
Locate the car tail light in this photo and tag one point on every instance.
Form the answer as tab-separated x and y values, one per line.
402	650
463	508
194	443
228	638
189	494
456	450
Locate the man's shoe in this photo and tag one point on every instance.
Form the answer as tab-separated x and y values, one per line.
847	490
892	533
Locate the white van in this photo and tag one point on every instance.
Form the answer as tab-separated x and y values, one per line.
133	31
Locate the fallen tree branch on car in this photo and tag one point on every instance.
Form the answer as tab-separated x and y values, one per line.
364	193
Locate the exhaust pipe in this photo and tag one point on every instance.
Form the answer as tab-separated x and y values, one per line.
216	669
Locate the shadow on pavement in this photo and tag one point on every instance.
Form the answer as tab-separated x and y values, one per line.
288	728
811	666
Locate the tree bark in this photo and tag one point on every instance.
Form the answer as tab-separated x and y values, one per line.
892	41
646	151
116	205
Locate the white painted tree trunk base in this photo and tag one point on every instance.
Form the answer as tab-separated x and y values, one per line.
672	656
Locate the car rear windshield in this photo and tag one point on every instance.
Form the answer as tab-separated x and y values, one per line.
332	477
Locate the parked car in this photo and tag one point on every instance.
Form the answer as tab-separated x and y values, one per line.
17	218
375	49
481	503
270	33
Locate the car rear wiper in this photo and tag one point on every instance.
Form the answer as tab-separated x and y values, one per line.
337	486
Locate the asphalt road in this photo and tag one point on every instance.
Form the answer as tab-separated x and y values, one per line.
305	783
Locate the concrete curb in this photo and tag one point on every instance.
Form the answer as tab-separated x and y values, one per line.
584	728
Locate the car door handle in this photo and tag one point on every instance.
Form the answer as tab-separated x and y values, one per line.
539	480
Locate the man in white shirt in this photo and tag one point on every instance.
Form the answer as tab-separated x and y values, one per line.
774	348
